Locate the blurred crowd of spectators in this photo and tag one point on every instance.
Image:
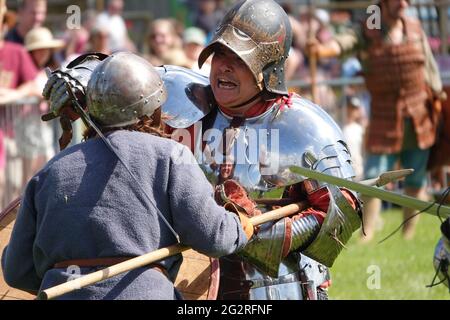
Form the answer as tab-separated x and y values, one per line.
29	48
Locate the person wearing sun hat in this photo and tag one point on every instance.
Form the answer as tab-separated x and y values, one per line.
17	74
40	43
194	41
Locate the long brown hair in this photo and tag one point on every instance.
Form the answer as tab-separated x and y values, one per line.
152	125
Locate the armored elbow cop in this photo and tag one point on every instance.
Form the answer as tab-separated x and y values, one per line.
340	223
266	249
322	243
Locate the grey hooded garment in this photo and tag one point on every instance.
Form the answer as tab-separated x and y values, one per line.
83	204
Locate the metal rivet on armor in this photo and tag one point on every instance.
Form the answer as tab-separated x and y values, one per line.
123	110
274	69
279	82
282	69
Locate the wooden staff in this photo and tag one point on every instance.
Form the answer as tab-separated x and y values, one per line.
154	256
11	207
274	202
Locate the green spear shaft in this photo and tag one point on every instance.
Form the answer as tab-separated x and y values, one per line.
401	200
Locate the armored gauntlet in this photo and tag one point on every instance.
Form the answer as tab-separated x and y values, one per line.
77	75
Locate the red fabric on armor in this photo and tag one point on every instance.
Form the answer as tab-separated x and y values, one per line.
320	201
254	111
284	101
326	284
287	239
263	106
237	194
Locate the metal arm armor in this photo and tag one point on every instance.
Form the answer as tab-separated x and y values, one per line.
340	223
265	249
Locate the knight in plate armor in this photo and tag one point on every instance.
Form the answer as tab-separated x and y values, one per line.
124	192
246	130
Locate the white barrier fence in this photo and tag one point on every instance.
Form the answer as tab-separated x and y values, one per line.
26	143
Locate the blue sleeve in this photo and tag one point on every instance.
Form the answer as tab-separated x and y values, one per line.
199	221
17	259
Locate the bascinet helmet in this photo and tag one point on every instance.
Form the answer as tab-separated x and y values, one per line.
122	89
260	33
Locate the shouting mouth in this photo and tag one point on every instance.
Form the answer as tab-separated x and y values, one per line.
226	84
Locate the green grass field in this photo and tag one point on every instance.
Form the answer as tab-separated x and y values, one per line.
405	267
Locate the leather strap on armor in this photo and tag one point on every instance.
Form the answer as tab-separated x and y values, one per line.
245	221
67	133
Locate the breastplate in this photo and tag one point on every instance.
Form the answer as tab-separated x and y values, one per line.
259	151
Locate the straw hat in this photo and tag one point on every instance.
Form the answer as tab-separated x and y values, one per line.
194	35
177	57
41	38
